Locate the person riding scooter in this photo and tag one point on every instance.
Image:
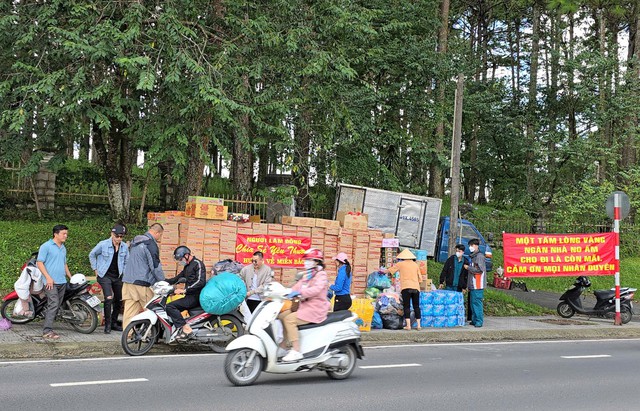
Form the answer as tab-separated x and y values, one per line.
195	274
313	308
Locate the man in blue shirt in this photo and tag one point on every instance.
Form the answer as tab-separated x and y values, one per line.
52	262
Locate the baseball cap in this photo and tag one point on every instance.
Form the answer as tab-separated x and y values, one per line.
119	229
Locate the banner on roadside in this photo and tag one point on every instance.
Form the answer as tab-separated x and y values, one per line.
279	251
557	255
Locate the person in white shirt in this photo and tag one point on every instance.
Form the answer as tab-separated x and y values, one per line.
256	276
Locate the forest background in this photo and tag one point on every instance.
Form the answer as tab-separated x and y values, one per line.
358	92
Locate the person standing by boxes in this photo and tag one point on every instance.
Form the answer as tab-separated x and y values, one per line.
108	259
454	274
142	270
476	283
255	277
342	286
410	279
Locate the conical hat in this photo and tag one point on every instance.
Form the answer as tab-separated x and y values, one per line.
406	255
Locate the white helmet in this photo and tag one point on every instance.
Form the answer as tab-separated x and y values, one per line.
78	279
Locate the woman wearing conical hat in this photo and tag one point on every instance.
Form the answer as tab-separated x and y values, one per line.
410	279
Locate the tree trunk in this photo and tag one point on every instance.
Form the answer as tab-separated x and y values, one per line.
116	154
192	184
629	150
242	162
436	186
301	161
530	128
605	143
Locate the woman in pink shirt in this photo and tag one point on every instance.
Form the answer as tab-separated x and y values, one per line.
314	306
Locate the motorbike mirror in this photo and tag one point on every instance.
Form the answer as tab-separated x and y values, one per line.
182	281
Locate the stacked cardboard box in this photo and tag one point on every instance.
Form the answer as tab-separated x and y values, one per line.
214	240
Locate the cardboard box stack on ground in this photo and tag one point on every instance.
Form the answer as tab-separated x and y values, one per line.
215	240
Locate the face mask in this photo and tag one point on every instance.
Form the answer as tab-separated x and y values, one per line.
182	263
309	264
459	254
472	249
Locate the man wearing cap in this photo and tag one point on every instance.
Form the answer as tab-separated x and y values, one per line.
108	260
342	286
410	279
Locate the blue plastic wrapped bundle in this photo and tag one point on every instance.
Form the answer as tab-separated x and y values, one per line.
460	311
452	321
426	321
426	309
461	320
440	321
223	293
378	280
450	297
451	310
376	321
425	298
459	299
438	296
438	310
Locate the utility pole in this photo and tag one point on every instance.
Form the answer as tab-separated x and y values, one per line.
456	144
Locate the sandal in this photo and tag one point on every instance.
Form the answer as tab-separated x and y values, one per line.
406	328
51	335
184	336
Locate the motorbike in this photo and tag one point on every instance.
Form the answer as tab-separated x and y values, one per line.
332	346
570	302
78	308
154	326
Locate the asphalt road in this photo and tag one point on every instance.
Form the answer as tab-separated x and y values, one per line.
530	375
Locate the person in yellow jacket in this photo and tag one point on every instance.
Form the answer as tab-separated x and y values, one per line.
410	279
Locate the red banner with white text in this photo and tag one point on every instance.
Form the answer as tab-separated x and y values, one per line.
279	251
557	255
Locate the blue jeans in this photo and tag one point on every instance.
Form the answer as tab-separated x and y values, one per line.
477	313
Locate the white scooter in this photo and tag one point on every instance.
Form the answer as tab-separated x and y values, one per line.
332	346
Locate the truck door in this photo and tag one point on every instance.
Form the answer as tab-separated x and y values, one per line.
410	218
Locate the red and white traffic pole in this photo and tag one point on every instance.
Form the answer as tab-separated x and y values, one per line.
616	235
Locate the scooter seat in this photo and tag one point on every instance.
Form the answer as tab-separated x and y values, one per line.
195	311
605	294
331	318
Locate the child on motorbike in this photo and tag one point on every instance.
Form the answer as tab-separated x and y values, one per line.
313	308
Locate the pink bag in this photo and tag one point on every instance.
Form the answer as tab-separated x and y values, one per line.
5	324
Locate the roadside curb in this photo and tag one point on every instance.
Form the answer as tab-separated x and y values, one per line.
91	349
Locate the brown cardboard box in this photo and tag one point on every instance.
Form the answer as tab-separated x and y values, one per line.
321	222
210	211
426	284
299	221
205	200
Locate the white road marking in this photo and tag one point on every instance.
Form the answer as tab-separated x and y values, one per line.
577	357
146	357
465	344
368	367
73	384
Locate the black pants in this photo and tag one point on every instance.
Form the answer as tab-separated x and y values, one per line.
175	308
469	310
111	287
342	303
253	304
411	296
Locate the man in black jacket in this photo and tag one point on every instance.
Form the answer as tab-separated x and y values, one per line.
195	274
454	274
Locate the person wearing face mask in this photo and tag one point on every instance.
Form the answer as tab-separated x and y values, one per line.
195	274
312	289
476	282
454	276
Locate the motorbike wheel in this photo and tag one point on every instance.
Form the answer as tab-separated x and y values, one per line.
7	312
229	326
85	318
348	369
133	338
565	310
625	314
240	368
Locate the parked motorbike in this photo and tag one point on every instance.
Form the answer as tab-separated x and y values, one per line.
332	346
570	302
78	308
154	325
